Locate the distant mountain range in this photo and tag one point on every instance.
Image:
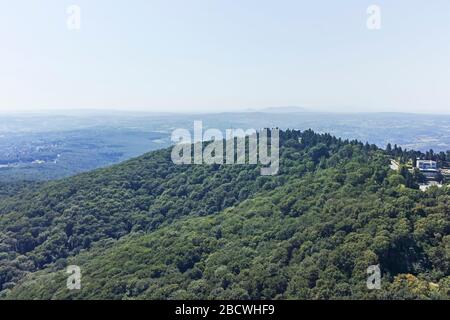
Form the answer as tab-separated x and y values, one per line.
288	109
86	140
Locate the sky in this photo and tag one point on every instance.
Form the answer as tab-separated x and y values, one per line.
225	55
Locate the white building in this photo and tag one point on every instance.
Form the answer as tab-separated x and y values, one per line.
426	165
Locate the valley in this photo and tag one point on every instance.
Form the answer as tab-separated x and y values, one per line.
51	146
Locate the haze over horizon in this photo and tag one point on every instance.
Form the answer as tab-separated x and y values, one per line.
203	56
272	110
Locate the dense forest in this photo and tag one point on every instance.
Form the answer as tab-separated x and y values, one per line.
149	229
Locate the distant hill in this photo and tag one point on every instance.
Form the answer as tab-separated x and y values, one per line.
91	140
149	229
288	109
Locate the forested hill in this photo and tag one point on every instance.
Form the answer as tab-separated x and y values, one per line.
147	228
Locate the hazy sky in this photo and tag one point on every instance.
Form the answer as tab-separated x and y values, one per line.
213	55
